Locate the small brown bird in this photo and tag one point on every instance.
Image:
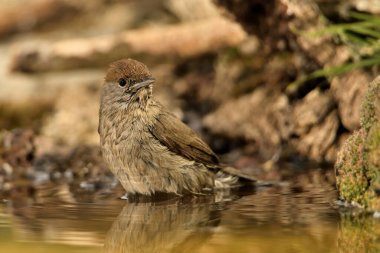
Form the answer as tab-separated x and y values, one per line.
148	148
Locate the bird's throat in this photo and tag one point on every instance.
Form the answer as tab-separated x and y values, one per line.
142	97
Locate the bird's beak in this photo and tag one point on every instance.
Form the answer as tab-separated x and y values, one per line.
142	84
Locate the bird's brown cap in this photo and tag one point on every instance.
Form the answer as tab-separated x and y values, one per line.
128	69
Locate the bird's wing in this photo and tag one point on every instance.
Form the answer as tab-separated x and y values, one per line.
182	140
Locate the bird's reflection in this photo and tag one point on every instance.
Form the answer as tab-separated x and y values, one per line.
166	226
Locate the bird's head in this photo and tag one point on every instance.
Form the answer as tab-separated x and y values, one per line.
127	81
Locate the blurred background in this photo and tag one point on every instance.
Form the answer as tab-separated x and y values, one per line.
266	83
274	86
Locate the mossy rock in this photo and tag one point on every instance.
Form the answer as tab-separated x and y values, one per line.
371	106
358	163
351	170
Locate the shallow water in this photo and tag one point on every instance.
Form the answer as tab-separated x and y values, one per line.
269	219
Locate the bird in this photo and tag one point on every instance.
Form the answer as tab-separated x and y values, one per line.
148	148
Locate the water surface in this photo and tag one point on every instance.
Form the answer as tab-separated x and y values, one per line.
287	218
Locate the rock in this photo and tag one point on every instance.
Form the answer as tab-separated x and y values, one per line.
311	111
27	100
371	106
32	14
17	152
178	40
83	163
76	109
261	117
315	126
225	79
352	181
15	114
310	127
190	10
371	6
349	91
357	166
331	153
304	15
258	17
90	172
284	17
17	148
316	143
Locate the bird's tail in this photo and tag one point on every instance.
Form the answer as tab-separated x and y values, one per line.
228	177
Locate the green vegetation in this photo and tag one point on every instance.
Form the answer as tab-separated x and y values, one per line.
363	39
358	163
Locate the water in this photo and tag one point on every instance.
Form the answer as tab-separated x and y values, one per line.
288	218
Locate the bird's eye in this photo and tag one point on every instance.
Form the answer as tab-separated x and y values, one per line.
122	82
